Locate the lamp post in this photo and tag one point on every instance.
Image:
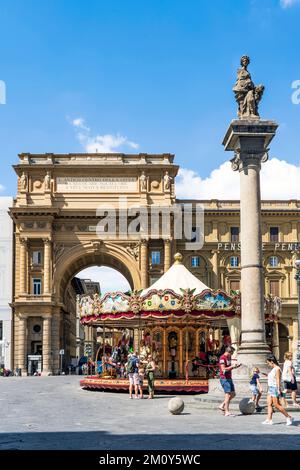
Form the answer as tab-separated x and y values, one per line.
297	277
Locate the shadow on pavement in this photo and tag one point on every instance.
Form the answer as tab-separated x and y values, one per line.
101	440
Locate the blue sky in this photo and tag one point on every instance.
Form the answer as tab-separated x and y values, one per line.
158	72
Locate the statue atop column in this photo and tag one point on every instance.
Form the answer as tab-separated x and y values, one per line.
247	95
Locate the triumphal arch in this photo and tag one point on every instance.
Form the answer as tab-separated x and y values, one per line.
60	201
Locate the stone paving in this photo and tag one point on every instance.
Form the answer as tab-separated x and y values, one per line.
55	413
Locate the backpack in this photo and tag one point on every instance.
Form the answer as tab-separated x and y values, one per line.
131	365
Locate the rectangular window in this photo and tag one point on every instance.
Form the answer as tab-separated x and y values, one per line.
274	288
155	257
37	286
234	286
234	261
1	330
37	257
273	261
274	234
195	261
234	234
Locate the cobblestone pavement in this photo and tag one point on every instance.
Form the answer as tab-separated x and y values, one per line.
55	413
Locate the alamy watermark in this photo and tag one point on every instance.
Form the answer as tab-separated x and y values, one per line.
2	92
183	222
296	94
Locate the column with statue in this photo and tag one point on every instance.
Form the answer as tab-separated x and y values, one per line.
249	137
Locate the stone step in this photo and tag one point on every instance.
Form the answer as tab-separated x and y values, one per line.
213	402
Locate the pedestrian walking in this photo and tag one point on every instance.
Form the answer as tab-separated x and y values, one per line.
274	391
226	379
289	378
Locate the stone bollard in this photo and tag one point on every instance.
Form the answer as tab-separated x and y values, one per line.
176	405
247	406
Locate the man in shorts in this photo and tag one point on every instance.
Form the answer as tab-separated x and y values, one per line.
226	379
133	373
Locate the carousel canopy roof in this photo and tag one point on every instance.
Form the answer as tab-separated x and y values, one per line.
178	277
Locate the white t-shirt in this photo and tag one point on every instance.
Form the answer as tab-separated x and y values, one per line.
272	377
286	374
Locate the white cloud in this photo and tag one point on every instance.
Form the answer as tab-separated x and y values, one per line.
1	188
79	122
288	3
107	143
109	279
279	180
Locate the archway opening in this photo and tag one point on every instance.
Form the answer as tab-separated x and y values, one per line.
81	342
109	279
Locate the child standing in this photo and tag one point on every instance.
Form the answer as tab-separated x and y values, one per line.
255	387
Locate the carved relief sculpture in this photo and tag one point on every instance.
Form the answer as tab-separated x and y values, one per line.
167	181
23	181
143	182
47	181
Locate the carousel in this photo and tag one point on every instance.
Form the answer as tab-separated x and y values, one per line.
181	322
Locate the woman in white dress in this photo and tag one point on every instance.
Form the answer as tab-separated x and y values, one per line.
274	391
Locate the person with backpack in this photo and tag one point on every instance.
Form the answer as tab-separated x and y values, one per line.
132	369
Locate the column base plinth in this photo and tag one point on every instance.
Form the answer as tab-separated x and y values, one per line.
251	355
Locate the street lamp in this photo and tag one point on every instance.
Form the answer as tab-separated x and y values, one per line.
297	277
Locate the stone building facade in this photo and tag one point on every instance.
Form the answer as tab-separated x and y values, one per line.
62	198
6	282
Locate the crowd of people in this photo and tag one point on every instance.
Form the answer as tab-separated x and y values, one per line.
280	383
138	368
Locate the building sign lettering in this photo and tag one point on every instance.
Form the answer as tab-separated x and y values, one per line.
96	184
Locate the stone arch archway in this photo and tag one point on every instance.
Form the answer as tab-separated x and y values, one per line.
71	261
95	253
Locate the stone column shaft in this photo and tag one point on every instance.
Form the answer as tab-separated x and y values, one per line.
167	257
55	327
144	264
23	263
47	267
47	341
215	270
22	343
253	330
